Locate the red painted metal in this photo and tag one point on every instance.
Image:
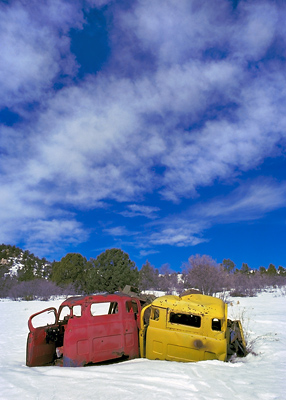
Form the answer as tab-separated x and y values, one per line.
83	338
39	350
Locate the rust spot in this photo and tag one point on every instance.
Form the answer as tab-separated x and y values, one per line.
118	353
198	344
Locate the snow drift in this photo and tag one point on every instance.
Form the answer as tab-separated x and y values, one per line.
260	375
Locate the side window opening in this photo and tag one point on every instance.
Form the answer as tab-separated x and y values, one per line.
216	324
146	316
113	308
65	313
185	319
135	306
44	319
106	308
155	313
76	311
131	307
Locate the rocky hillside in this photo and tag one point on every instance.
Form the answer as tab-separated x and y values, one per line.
23	265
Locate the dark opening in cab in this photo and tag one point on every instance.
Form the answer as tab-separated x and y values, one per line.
89	329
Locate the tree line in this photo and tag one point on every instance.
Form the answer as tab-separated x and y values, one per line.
113	269
203	273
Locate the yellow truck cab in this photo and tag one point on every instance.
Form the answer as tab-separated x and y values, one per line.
193	327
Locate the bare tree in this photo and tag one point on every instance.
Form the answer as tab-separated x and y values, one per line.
203	273
169	281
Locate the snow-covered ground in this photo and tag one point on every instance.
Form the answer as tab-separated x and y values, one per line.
260	376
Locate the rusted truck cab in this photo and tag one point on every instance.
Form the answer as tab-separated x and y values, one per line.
89	329
188	328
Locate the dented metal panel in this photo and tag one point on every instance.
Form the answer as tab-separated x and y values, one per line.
188	328
39	349
88	329
94	329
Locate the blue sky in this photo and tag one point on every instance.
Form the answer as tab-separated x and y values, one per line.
155	126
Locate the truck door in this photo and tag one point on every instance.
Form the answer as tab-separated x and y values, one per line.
94	337
40	346
144	322
106	331
131	323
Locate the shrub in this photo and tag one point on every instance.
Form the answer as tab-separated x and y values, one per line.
40	289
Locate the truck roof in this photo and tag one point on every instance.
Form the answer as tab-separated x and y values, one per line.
193	304
97	298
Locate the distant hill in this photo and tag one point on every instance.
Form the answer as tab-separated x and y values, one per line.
23	265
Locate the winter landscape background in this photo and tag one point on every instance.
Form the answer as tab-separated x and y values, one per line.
157	127
152	132
258	376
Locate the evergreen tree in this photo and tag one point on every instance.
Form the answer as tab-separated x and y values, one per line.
27	272
271	270
72	269
262	270
148	277
111	271
245	268
228	265
281	271
28	265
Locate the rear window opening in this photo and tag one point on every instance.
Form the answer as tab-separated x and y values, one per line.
131	306
216	324
185	319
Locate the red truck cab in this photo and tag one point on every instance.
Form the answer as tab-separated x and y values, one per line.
87	329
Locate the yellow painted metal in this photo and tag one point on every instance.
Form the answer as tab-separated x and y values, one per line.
241	334
162	339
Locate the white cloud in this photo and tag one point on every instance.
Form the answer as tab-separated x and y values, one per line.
136	210
193	119
145	253
53	235
34	48
251	200
117	231
42	230
177	236
256	30
106	149
176	31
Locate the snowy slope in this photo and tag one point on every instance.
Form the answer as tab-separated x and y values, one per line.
255	377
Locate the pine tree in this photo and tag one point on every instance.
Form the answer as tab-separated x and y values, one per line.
111	271
72	269
148	277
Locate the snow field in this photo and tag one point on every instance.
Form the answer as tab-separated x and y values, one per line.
260	376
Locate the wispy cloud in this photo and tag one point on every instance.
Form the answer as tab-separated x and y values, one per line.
51	236
35	49
117	231
176	236
191	95
145	253
136	210
250	201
